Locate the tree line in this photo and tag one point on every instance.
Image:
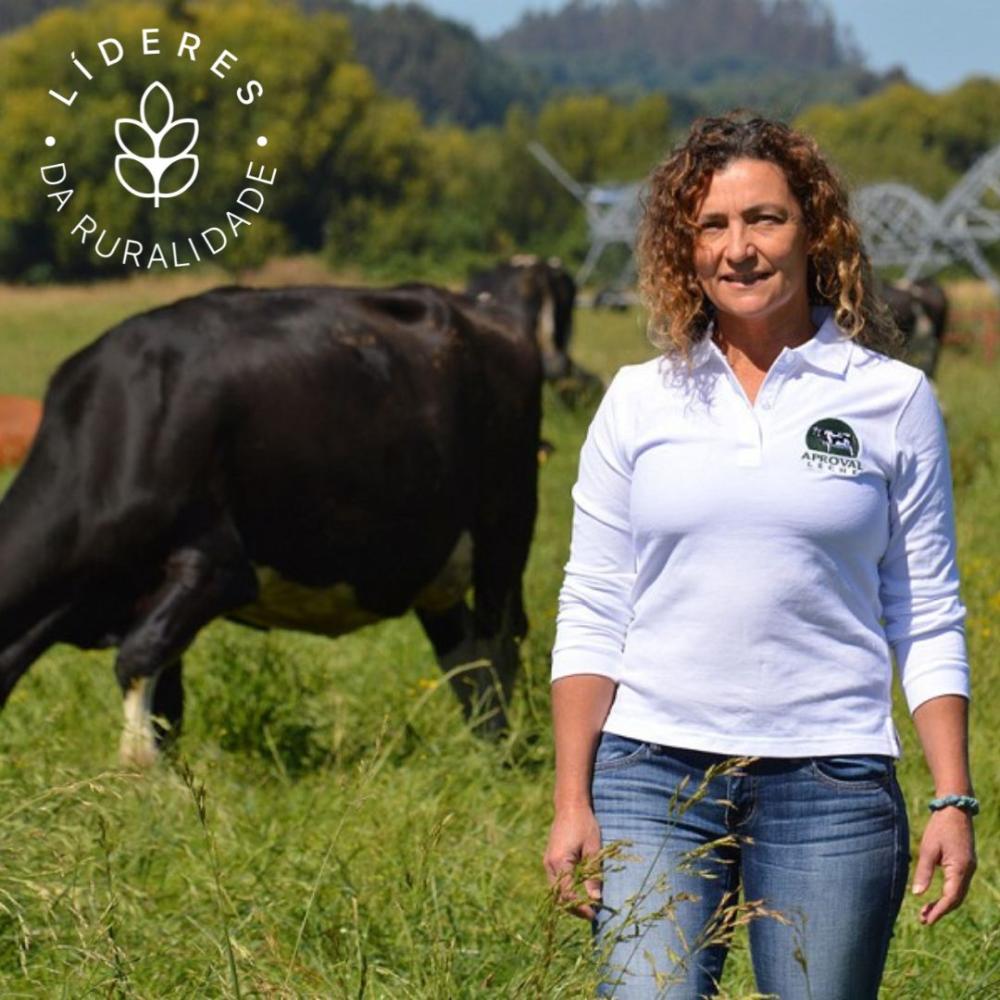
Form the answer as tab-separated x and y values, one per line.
712	54
363	176
705	54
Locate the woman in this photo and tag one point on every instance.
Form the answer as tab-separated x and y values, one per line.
760	515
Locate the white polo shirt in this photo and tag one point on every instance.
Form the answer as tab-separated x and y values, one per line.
741	571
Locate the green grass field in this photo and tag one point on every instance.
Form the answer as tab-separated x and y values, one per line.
329	828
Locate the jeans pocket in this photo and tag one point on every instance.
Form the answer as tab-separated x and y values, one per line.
614	751
854	772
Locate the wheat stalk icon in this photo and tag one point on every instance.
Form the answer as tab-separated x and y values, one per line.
141	134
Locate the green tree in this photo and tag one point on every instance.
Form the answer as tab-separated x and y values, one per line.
908	135
968	123
599	141
777	56
439	64
320	113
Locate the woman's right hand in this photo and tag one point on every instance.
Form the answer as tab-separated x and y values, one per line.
575	837
580	704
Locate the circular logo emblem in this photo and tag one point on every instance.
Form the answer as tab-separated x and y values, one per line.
833	437
156	155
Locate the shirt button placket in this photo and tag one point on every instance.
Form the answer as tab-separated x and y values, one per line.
772	381
749	440
768	393
748	452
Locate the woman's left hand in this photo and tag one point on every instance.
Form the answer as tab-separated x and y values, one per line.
948	841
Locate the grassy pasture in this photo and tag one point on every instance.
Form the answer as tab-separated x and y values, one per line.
329	828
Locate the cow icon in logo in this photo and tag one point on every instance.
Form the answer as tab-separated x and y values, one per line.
145	145
832	437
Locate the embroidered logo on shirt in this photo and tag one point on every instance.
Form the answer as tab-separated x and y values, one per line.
832	446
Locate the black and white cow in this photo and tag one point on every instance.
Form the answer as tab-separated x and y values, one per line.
314	458
920	309
551	292
837	440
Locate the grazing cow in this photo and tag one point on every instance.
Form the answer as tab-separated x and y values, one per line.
920	309
551	291
313	458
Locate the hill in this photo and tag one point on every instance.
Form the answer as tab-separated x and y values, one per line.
439	64
779	55
15	14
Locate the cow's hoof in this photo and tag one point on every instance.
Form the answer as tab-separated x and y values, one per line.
492	725
138	744
137	751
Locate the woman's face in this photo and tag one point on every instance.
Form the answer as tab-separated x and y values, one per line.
750	252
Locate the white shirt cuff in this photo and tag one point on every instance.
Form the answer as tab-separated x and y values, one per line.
581	660
932	665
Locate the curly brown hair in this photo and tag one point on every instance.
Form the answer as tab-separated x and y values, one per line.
839	273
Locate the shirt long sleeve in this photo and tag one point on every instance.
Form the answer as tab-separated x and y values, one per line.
742	571
919	586
595	601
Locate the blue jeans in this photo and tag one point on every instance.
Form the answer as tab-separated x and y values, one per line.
818	847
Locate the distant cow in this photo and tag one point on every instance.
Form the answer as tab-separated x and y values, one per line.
551	292
313	458
920	309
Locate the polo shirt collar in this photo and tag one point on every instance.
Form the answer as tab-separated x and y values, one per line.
828	350
704	350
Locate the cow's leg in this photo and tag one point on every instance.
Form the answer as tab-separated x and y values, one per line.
468	660
154	712
168	702
504	633
478	650
138	743
479	653
198	587
501	540
16	657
